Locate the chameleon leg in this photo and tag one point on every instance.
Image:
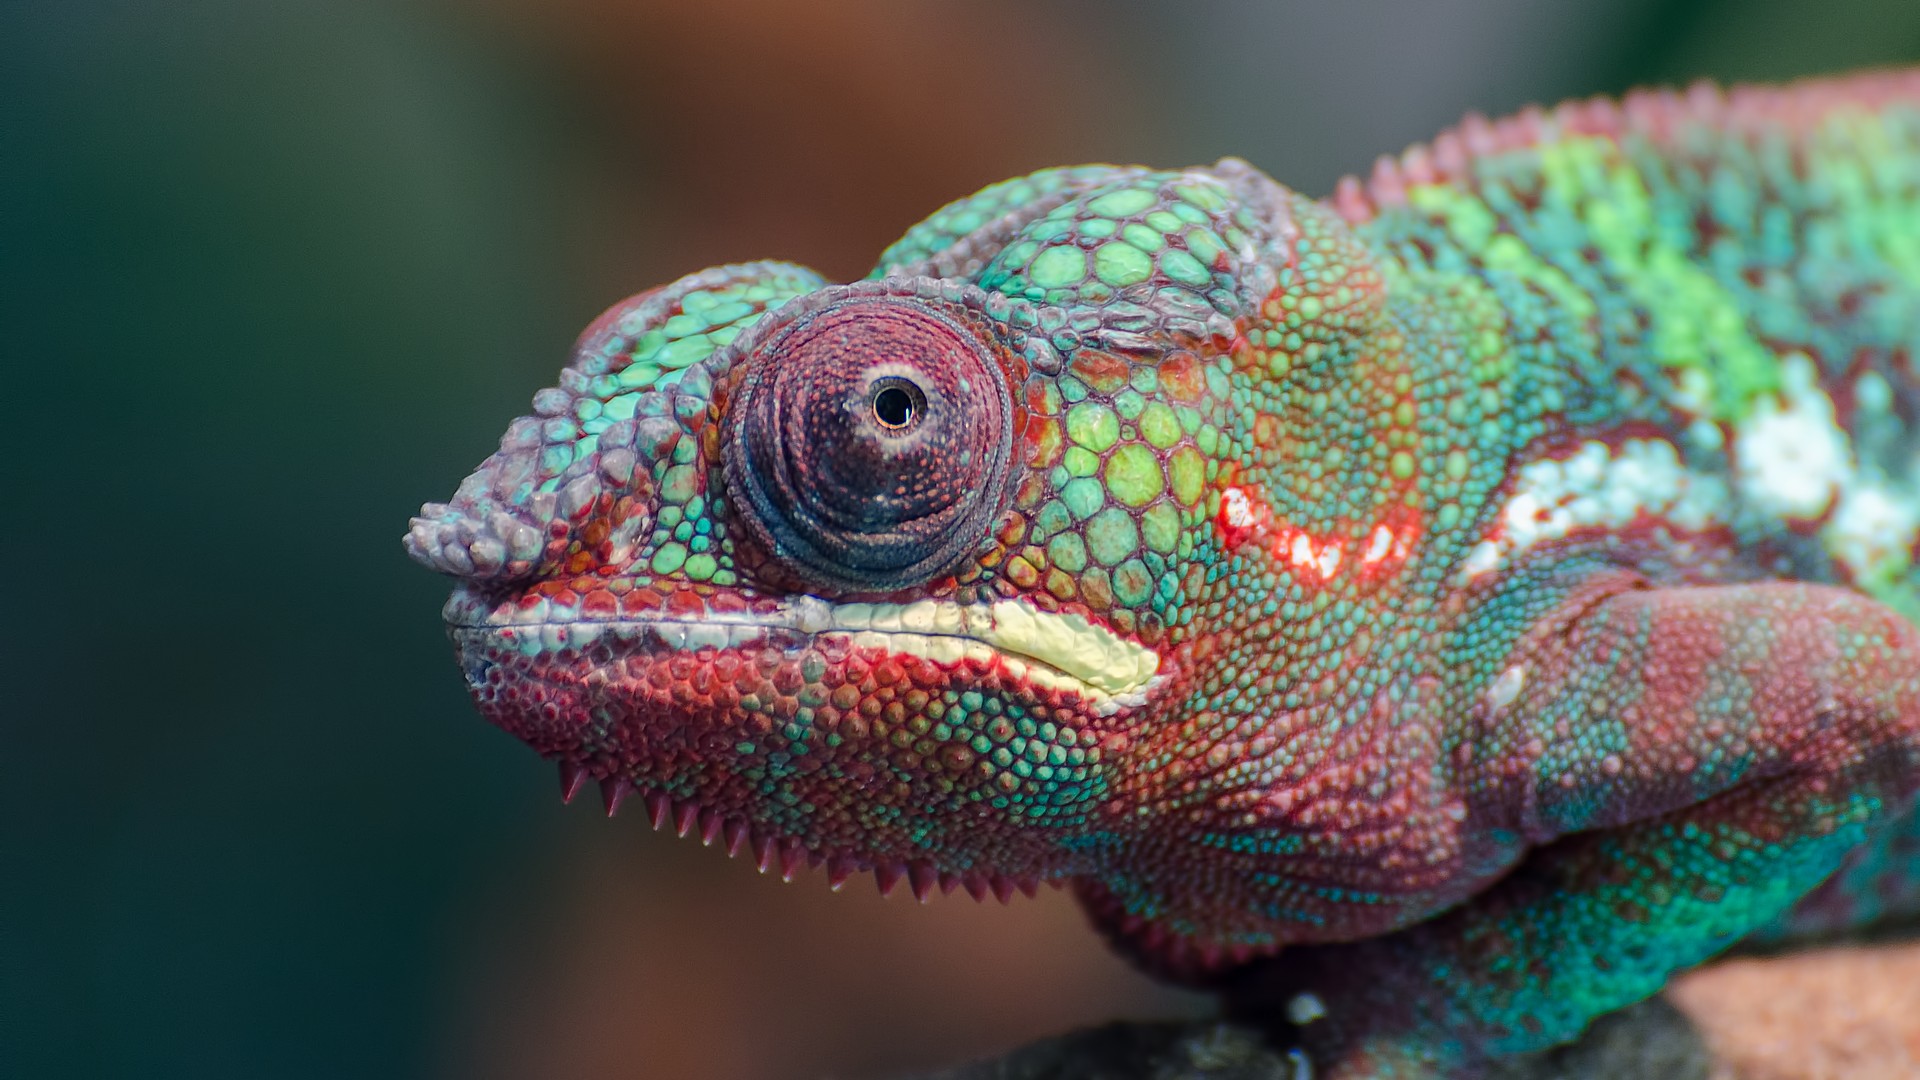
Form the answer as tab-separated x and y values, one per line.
1879	885
1758	734
1584	926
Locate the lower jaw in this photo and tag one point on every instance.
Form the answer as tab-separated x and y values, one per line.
667	637
789	857
594	704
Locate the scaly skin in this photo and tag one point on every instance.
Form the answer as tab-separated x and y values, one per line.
1491	589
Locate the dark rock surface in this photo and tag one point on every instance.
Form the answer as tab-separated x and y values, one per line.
1648	1041
1840	1012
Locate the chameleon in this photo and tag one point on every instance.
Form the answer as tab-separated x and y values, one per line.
1433	614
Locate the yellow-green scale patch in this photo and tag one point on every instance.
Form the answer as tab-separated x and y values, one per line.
1698	326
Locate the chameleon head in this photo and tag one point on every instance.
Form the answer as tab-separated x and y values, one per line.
967	571
769	592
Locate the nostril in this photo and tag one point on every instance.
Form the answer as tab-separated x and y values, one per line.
476	669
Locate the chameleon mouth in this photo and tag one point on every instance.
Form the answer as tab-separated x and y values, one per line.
543	666
1065	652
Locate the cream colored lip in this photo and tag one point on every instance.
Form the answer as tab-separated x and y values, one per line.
1089	656
1068	652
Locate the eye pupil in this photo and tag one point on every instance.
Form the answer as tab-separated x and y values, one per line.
897	404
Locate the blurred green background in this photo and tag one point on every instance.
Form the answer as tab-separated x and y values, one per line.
279	270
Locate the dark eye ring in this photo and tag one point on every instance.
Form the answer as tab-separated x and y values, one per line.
897	403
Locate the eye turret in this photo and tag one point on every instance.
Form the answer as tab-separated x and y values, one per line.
869	444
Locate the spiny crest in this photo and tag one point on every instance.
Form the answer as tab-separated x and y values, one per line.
1663	116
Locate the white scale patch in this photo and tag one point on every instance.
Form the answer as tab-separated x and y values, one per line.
1795	462
1599	487
1792	457
1792	462
1878	519
1873	525
1506	689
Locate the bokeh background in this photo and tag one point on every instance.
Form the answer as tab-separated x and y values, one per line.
276	271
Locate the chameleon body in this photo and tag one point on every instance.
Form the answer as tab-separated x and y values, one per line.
1435	613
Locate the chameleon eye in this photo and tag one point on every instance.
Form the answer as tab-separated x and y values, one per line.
868	445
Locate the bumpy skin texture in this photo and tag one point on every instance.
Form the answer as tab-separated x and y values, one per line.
1490	589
